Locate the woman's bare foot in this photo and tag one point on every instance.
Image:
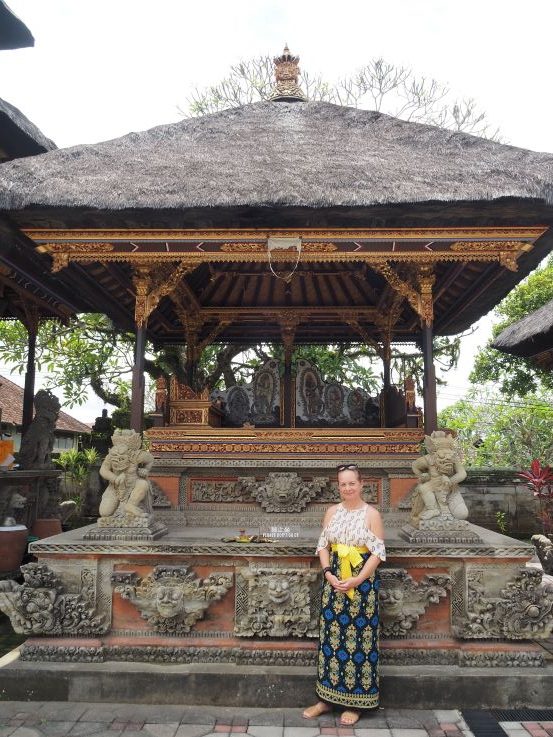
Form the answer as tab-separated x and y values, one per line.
350	717
312	712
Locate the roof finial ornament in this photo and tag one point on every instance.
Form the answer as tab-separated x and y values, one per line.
287	73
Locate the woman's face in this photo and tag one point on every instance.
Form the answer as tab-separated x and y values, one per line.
350	486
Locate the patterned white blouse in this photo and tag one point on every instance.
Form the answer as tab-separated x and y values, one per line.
349	528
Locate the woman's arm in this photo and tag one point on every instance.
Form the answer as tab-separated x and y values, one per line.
324	553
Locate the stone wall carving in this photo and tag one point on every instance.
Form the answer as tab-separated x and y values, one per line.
159	497
278	492
41	606
276	602
544	550
171	598
283	491
413	657
404	600
521	610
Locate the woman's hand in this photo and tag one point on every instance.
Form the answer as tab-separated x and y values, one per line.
348	583
333	580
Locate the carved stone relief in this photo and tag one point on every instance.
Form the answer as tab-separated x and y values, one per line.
404	600
41	606
159	498
276	602
278	492
283	492
521	610
171	598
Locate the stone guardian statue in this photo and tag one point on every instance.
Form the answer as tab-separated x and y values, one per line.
126	504
439	473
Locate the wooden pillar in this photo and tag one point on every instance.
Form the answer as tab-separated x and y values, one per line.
429	380
387	377
137	391
29	389
288	325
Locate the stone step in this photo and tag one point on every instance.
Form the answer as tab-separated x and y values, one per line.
420	687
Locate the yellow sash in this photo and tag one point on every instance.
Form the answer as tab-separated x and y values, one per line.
349	555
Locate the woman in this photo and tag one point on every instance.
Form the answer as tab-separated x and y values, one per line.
350	549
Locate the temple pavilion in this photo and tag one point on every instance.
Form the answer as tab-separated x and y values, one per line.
386	231
305	223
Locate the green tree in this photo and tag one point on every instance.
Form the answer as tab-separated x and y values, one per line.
512	375
494	431
378	85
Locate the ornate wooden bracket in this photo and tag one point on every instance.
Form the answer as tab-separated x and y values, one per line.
421	301
354	323
288	321
29	314
152	283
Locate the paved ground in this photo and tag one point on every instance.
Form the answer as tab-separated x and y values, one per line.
52	719
25	719
61	719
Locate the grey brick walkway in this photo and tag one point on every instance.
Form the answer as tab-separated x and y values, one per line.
53	719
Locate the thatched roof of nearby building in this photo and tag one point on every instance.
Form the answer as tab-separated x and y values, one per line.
18	136
529	336
300	154
14	34
11	402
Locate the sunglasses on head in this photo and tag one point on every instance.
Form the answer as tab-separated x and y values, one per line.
348	467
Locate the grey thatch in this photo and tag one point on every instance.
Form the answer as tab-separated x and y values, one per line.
311	154
14	34
529	336
13	124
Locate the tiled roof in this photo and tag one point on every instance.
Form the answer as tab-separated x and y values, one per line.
11	402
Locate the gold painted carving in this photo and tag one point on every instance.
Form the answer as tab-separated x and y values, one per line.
472	246
421	302
151	285
528	233
308	449
427	279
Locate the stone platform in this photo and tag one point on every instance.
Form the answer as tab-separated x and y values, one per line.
190	597
422	687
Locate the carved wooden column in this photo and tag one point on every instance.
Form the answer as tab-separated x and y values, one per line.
288	323
151	284
426	282
138	382
429	380
422	302
30	319
387	377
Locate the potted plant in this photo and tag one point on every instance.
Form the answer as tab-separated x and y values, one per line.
539	480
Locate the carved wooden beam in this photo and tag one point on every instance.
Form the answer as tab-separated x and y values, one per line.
152	283
421	301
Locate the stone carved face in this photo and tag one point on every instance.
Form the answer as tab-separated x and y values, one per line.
278	589
120	460
169	600
444	461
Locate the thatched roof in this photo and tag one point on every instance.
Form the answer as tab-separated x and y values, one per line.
529	336
18	136
14	34
312	154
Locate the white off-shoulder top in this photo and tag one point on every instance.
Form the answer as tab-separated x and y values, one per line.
349	528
